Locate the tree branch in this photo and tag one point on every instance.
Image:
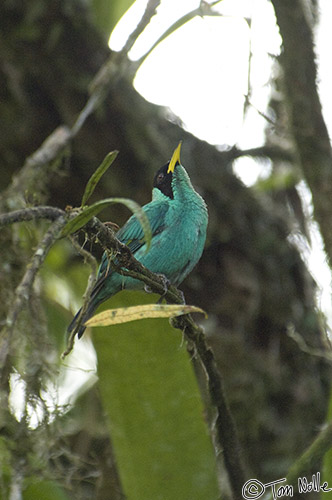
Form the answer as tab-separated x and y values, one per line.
33	213
107	239
33	173
226	433
272	152
23	290
150	11
308	126
204	9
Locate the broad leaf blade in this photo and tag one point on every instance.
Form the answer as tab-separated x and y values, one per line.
44	490
96	176
148	311
154	409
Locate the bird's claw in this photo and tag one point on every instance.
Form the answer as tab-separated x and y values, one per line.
182	296
166	284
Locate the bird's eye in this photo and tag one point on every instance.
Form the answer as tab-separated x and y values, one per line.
160	178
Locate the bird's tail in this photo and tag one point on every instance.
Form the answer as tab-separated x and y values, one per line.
77	323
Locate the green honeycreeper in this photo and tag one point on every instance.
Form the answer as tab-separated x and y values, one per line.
178	217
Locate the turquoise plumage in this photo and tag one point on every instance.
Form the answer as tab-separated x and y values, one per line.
178	218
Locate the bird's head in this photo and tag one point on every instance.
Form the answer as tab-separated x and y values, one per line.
164	176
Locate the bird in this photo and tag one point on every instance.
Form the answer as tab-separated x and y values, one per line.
178	218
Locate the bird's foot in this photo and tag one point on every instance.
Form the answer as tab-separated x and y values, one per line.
166	284
182	296
147	289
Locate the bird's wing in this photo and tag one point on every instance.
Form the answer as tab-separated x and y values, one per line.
132	235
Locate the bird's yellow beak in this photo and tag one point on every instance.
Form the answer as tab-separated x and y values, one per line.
175	158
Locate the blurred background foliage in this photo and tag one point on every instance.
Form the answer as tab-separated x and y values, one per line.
141	428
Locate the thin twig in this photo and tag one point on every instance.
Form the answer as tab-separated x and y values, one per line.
150	11
227	441
112	70
23	290
52	149
204	9
271	152
32	213
304	347
90	106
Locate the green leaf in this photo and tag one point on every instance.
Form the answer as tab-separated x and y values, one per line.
96	176
108	12
87	213
148	311
43	490
154	409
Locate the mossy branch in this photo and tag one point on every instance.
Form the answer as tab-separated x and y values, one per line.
309	130
23	290
32	213
226	435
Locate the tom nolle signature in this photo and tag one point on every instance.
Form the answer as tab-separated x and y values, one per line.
254	489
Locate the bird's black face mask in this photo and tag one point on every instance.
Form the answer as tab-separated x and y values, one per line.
163	181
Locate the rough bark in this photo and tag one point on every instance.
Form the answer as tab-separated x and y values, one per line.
309	130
